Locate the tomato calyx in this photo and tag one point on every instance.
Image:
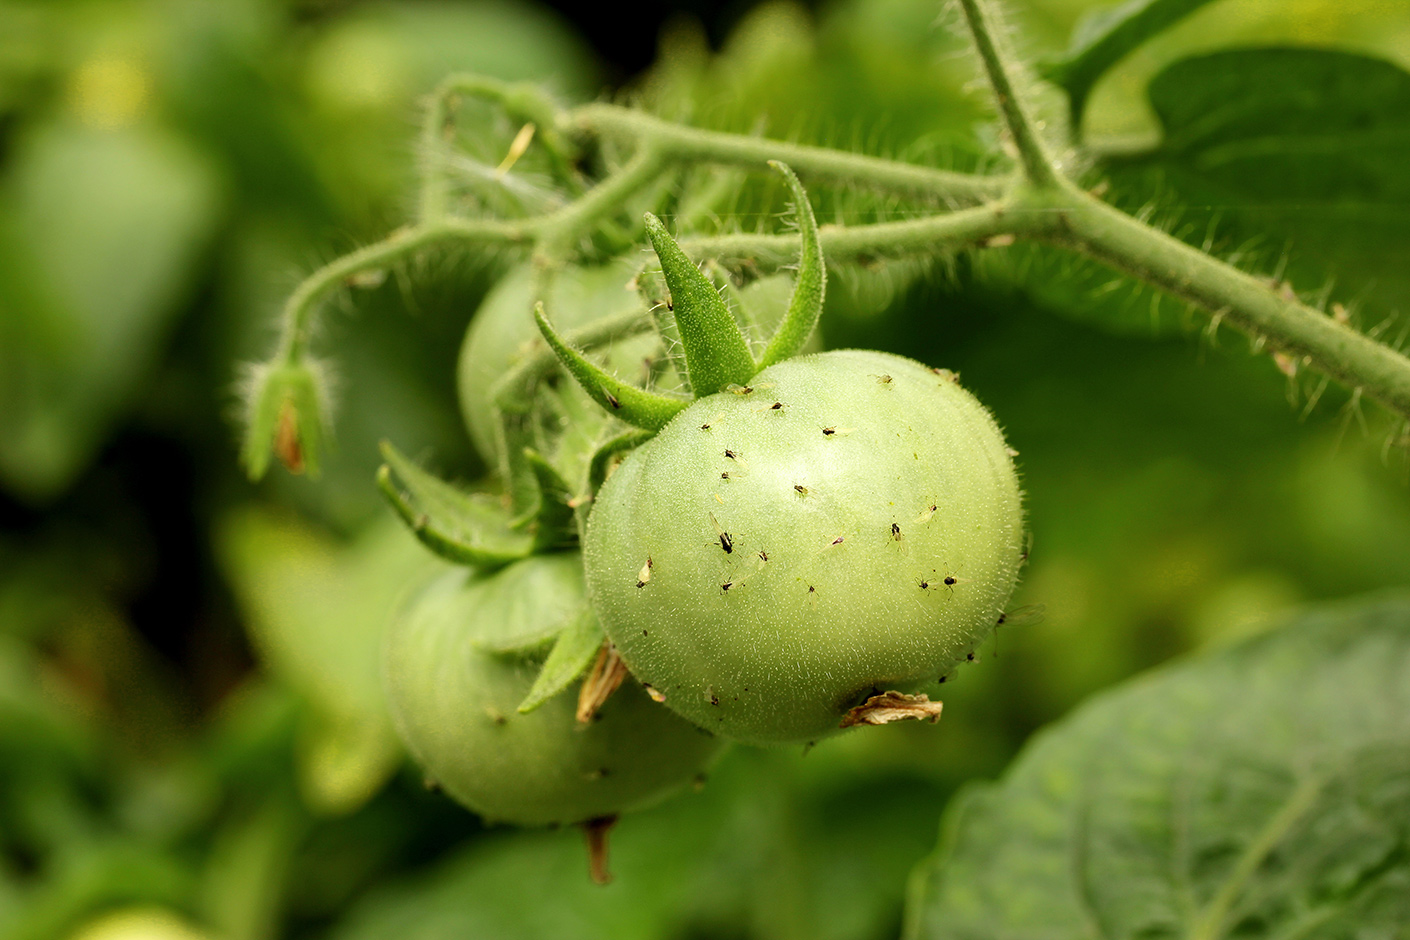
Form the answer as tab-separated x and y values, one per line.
715	352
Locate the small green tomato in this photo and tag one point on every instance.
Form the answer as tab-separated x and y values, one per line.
849	523
503	330
455	683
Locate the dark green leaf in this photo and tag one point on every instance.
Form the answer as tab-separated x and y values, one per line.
553	522
1257	790
1103	38
468	528
98	232
1294	156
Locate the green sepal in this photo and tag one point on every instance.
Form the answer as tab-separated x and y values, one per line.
466	528
571	656
285	414
597	467
716	352
805	307
654	293
646	410
552	522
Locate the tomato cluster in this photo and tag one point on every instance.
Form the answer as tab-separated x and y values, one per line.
786	545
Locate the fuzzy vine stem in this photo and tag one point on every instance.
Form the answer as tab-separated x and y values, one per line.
1039	205
693	145
1252	304
1037	164
299	308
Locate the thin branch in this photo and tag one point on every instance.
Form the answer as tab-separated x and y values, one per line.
298	309
947	232
1037	164
692	145
1252	304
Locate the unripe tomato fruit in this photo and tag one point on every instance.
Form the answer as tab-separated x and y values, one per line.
851	525
454	701
503	328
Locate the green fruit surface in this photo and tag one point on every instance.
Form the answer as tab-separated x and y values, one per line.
796	640
503	330
454	699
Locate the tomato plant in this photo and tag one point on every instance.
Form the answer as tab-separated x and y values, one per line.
776	546
679	518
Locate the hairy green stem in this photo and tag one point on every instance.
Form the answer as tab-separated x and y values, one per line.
689	144
559	230
1037	164
1252	304
940	233
522	101
298	309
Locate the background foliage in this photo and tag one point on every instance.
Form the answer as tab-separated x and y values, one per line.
189	726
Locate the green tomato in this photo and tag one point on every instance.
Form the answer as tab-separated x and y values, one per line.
851	525
455	685
503	330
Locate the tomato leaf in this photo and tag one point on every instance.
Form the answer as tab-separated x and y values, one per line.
467	528
1102	38
572	654
1259	789
1305	143
553	521
99	235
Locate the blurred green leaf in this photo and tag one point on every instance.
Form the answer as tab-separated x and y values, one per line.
1295	157
778	844
1277	125
99	228
1261	789
1102	38
317	611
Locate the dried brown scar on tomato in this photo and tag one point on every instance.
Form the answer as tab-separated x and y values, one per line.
892	706
595	832
606	675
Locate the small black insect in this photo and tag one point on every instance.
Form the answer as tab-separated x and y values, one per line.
611	399
951	581
800	489
776	406
896	531
763	555
726	540
731	455
828	432
725	475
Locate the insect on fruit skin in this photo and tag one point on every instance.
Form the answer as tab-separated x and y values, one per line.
454	703
921	485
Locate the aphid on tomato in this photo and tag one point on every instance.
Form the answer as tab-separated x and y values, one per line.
726	540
